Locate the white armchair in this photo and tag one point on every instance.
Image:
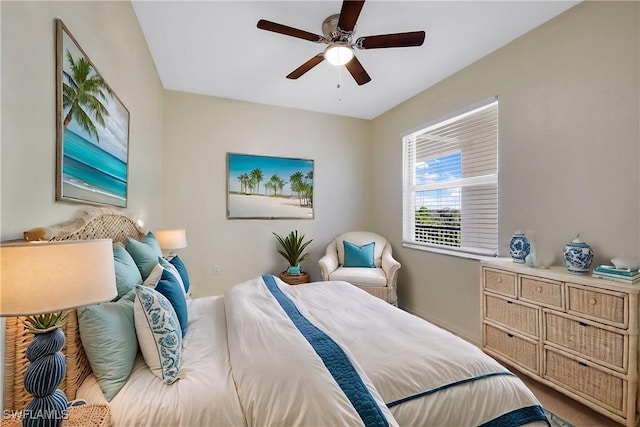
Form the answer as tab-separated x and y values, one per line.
379	281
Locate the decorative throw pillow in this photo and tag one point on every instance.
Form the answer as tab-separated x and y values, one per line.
109	338
145	253
159	335
156	273
127	273
358	256
182	270
168	285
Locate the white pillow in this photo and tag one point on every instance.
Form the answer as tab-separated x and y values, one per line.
159	334
156	273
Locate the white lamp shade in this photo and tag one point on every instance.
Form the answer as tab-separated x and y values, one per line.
171	239
338	53
37	278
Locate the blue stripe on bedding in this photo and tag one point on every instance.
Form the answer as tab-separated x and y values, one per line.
445	386
334	358
519	417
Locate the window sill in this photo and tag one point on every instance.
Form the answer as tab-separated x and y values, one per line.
459	254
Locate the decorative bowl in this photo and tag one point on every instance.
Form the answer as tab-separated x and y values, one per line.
519	247
578	256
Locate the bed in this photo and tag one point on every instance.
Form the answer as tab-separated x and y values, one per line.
269	354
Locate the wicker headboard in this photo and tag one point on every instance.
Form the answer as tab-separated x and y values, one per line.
92	223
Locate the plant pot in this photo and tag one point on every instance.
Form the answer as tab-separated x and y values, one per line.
294	270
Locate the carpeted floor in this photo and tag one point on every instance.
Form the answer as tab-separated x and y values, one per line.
556	421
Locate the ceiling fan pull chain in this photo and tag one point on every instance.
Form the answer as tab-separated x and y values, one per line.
339	83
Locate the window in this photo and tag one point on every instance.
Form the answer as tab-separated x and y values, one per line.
450	183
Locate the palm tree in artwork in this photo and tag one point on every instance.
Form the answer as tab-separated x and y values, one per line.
280	184
297	184
257	176
273	183
83	94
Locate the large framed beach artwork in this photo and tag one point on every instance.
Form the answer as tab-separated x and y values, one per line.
92	133
264	187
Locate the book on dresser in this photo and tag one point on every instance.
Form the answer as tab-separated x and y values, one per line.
621	275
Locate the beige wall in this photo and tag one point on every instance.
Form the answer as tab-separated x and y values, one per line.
199	131
569	150
27	165
28	106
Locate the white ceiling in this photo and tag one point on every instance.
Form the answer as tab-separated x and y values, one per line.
214	48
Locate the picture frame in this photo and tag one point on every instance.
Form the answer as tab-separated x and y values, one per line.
266	187
92	130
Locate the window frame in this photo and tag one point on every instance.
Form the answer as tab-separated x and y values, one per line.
409	190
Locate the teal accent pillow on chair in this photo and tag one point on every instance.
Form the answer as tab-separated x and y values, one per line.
358	256
145	253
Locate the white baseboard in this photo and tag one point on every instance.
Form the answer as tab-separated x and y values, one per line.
444	325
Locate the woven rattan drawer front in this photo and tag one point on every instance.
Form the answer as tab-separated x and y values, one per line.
545	292
590	341
516	349
588	380
607	307
512	314
503	282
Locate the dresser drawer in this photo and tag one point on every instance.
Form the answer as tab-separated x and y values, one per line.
502	282
603	306
544	292
590	341
521	351
586	379
512	314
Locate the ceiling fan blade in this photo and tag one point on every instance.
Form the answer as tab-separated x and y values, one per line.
306	66
414	38
288	31
349	14
357	71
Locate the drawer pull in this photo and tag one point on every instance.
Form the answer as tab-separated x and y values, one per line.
593	301
582	324
582	364
509	302
510	335
539	289
499	279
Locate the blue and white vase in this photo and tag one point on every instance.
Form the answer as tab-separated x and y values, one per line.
519	247
578	256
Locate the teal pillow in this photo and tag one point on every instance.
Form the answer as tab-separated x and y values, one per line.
109	339
127	273
182	270
174	292
145	253
358	256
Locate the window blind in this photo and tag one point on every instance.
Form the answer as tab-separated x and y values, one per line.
450	183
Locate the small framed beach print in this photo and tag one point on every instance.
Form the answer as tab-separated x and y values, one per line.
92	130
264	187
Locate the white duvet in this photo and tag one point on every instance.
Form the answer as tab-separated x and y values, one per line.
247	361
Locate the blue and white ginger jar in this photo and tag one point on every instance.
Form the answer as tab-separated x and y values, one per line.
519	247
578	256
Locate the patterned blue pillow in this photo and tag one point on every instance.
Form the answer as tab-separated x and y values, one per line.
358	256
159	333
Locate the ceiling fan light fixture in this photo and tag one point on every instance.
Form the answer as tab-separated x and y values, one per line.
338	53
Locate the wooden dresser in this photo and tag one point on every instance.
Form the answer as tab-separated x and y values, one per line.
574	333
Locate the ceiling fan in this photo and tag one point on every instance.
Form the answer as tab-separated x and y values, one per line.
338	33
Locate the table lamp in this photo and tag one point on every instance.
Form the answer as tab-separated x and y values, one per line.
171	239
41	281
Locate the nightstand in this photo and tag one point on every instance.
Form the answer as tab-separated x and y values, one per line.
294	279
90	415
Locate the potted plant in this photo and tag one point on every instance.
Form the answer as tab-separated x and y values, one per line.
292	247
